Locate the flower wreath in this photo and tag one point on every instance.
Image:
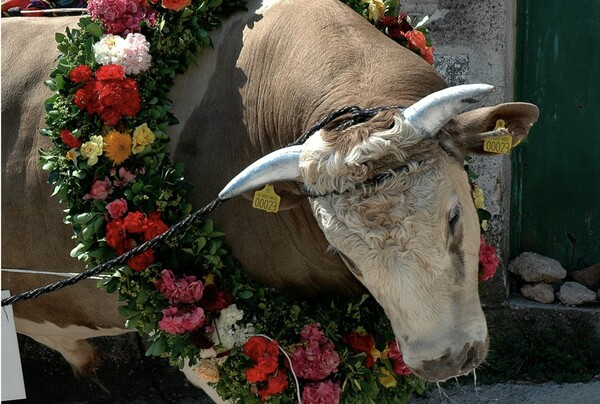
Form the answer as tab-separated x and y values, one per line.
109	163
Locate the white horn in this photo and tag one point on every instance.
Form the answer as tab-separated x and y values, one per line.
431	113
280	165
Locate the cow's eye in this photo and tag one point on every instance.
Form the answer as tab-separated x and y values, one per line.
454	217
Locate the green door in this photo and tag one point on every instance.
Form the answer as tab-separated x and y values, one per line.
556	180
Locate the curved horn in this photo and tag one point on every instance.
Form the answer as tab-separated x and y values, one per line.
280	165
431	113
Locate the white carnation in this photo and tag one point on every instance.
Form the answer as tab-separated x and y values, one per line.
109	50
132	52
228	333
136	54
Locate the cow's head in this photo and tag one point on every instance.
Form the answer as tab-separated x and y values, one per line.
392	197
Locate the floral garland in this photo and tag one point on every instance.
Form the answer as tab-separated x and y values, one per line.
109	163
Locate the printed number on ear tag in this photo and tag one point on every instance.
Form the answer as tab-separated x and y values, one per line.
266	199
499	145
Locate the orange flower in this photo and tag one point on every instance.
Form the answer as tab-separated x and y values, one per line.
117	146
176	4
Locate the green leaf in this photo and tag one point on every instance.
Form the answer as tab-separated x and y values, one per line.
214	3
208	227
246	294
59	37
94	29
84	218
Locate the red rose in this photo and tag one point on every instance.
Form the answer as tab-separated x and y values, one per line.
80	74
361	343
275	385
135	222
110	72
115	233
70	140
141	261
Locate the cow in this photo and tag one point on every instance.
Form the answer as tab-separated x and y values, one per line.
411	238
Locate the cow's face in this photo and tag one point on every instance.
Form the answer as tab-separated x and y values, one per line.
411	236
412	239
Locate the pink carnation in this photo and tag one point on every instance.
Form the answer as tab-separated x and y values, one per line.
315	358
179	290
397	361
177	321
100	190
121	17
488	260
136	54
325	392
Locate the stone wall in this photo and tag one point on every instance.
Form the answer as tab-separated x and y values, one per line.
474	42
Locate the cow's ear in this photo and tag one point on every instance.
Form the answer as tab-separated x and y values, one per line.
471	129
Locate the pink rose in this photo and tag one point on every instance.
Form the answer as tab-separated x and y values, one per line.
117	208
100	190
325	392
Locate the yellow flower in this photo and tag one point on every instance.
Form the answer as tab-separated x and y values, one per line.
92	149
388	380
118	146
142	136
72	155
375	353
478	198
484	225
376	9
207	370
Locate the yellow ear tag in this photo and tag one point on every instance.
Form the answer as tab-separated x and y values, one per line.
498	144
266	199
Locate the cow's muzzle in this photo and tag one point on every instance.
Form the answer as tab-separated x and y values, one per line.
452	364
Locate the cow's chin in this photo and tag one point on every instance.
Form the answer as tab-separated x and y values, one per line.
459	359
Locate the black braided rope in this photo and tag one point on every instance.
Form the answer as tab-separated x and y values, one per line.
173	231
357	115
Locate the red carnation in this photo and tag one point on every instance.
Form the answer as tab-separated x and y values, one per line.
361	343
135	222
70	140
275	385
155	227
488	260
214	299
395	356
264	354
141	261
115	233
110	72
80	74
